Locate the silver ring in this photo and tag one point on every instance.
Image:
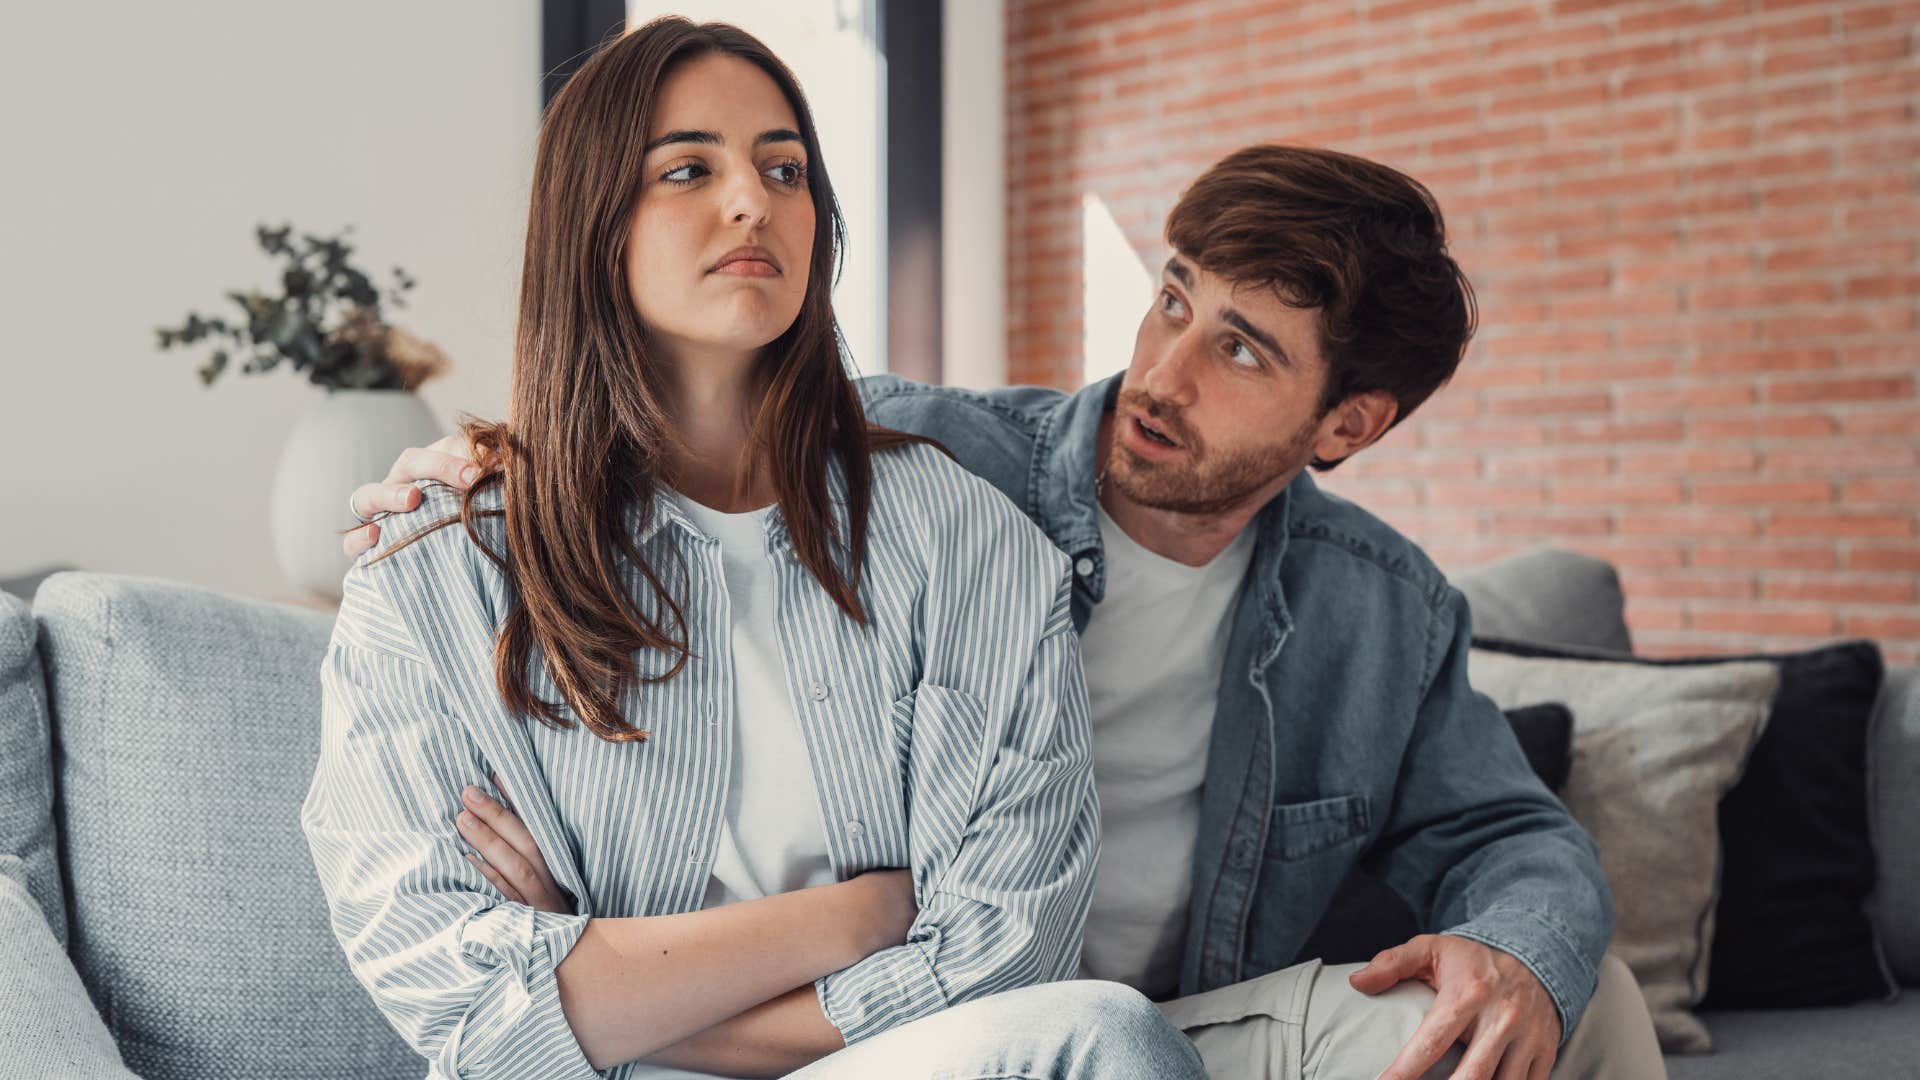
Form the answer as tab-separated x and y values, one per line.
355	511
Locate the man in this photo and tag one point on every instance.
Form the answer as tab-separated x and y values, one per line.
1279	679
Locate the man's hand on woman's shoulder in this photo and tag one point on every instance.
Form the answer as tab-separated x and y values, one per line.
449	460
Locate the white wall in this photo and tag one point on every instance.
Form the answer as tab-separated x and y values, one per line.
143	143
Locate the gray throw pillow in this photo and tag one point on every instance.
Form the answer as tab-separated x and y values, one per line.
26	765
1548	596
1654	750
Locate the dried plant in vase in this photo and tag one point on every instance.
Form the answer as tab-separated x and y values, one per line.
326	323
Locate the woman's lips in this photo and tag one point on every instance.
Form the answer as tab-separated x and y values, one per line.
757	268
747	261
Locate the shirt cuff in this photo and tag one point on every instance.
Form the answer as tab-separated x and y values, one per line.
1562	968
515	1026
887	989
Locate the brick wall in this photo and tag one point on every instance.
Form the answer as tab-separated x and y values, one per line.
1691	227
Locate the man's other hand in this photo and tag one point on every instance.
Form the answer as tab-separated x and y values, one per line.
449	460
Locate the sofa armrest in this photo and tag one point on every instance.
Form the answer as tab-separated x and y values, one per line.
52	1028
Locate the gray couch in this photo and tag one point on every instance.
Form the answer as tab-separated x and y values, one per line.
159	915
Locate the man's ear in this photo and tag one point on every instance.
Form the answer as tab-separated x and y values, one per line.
1353	425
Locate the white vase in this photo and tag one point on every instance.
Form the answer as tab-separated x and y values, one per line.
345	440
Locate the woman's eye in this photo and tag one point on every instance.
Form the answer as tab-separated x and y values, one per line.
685	174
1171	304
789	173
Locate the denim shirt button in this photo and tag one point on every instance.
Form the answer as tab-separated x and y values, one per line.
1084	567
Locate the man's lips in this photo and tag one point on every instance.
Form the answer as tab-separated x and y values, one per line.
1157	431
747	262
1148	440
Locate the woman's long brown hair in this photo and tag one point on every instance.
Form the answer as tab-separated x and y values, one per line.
587	435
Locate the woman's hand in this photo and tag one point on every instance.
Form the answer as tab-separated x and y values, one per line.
448	460
508	856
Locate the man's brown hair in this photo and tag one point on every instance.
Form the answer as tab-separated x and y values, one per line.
1363	243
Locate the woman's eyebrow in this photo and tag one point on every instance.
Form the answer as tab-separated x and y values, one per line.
713	138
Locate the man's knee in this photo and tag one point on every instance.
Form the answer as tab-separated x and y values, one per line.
1614	1037
1349	1033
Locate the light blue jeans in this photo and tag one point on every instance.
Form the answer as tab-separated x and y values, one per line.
1083	1030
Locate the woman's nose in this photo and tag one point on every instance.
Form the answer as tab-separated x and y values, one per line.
746	199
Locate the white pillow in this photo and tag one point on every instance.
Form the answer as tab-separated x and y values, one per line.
1654	750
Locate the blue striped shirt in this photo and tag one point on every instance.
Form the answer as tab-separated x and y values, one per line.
950	735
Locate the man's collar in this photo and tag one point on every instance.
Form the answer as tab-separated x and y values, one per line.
1066	466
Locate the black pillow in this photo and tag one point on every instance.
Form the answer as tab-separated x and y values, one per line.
1365	916
1790	928
1546	737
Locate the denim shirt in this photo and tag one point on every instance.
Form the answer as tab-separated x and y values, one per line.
1345	732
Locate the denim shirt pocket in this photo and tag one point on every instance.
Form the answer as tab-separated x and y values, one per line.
1302	829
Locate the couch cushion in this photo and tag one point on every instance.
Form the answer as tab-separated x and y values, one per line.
1893	763
26	765
51	1027
1870	1039
188	725
1549	596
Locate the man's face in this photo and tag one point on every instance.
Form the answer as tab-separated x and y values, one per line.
1221	401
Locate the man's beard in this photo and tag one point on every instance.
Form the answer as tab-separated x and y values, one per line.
1201	483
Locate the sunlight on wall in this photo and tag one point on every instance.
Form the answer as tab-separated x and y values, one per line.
1115	287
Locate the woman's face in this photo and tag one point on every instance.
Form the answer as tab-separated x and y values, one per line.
722	237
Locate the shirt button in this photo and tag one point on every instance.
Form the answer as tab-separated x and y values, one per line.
817	692
713	714
856	830
693	851
1084	567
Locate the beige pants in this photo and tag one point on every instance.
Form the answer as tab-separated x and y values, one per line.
1306	1023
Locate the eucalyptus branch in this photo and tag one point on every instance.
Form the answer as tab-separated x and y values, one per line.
326	323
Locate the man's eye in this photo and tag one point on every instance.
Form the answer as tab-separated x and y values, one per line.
685	174
1171	304
1240	354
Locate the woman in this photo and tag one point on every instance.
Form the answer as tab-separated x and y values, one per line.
735	654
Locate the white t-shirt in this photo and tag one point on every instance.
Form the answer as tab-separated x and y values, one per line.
1153	650
772	839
